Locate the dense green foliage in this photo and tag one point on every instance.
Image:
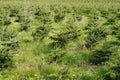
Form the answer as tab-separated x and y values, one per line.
8	45
61	40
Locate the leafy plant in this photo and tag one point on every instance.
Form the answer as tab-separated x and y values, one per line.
25	25
14	11
41	32
59	16
43	15
94	35
71	33
4	20
102	55
8	45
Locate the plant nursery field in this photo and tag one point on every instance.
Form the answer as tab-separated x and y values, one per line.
59	39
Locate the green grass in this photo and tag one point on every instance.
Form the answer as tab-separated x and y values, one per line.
46	59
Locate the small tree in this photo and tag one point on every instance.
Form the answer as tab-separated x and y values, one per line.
8	46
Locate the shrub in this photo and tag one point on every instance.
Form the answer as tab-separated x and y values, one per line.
59	16
4	20
55	56
95	35
25	25
102	55
43	15
70	33
14	11
41	32
116	30
8	45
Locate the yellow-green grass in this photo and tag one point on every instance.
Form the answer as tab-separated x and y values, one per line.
28	57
